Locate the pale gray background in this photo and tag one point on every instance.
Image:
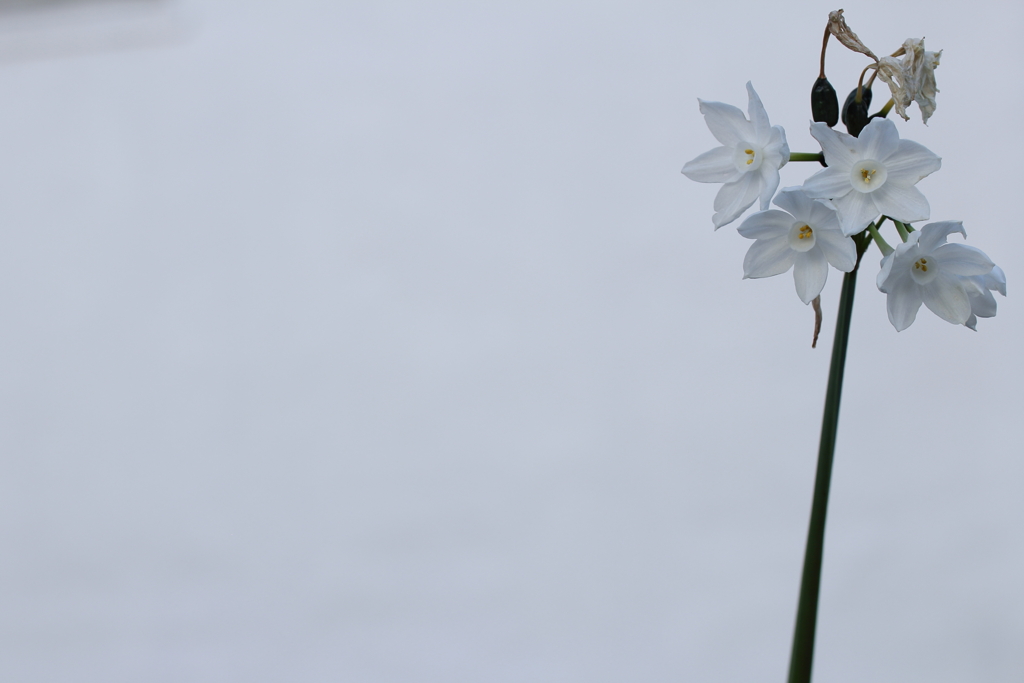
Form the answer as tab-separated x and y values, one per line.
384	342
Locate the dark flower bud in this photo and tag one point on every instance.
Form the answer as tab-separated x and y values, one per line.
855	114
824	103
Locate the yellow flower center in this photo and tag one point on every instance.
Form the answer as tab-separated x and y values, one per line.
748	157
867	175
924	270
801	237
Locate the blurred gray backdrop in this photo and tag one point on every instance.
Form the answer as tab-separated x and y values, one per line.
384	342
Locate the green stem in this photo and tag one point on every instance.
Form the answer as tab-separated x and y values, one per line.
806	156
902	230
807	609
882	244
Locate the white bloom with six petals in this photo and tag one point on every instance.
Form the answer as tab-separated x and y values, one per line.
925	269
871	175
805	237
748	161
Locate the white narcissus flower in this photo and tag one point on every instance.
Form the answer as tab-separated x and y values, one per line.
979	291
748	161
805	237
871	175
925	269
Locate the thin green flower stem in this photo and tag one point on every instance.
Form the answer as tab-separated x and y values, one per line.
806	156
883	246
901	229
802	658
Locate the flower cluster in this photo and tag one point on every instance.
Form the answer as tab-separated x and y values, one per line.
870	177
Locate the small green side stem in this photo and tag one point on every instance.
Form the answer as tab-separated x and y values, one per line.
802	658
877	237
807	156
902	230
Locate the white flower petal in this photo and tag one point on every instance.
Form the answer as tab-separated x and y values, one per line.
758	116
766	225
911	162
879	140
770	183
829	183
777	145
945	297
839	250
769	257
824	215
961	259
810	271
902	303
979	291
904	203
840	149
716	166
734	198
856	211
996	280
727	123
795	201
983	305
934	234
895	268
881	280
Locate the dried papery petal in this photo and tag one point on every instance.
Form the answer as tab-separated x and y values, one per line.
890	70
911	79
926	89
838	27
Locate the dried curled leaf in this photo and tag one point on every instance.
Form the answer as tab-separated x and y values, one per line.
837	27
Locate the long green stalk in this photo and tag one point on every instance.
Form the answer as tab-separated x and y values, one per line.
802	659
